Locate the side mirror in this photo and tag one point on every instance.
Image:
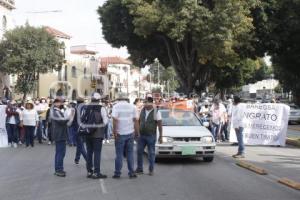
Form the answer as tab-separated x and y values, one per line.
206	124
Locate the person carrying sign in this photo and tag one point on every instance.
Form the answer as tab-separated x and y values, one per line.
238	127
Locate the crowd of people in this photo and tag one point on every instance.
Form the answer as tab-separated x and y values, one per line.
87	125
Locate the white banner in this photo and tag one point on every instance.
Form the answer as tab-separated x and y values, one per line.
3	133
264	124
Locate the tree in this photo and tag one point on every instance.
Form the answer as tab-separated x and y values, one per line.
192	38
26	52
278	33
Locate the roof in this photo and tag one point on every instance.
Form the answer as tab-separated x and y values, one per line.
57	33
105	61
83	49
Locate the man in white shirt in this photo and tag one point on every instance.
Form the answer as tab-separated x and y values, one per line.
238	127
125	128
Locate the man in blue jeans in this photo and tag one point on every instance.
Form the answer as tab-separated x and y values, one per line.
125	128
59	135
237	124
150	119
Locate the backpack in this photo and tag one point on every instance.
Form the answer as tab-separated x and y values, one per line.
90	118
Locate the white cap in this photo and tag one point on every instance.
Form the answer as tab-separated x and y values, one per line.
96	96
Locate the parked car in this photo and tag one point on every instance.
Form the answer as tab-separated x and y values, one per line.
184	135
294	114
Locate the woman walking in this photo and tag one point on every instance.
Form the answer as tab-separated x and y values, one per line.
29	120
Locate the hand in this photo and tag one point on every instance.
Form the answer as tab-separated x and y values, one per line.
116	135
136	136
160	140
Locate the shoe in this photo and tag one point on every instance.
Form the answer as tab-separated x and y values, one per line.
234	144
139	172
15	145
107	141
49	143
116	177
151	173
76	162
99	176
60	174
89	175
132	176
20	143
239	156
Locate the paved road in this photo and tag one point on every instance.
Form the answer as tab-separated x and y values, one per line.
27	174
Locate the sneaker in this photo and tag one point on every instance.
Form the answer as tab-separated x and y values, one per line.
107	141
15	145
99	176
89	175
239	156
60	174
138	172
116	177
49	143
132	176
20	143
76	162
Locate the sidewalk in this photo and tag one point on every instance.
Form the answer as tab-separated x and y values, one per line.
279	162
294	127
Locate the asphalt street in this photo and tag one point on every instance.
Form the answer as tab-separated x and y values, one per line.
27	174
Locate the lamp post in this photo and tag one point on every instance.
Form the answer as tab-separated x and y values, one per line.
157	61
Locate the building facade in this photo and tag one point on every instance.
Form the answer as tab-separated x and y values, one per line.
6	23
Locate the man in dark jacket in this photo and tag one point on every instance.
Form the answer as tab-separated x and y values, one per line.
95	139
150	120
59	135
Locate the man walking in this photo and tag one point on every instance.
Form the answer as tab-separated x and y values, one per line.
150	119
59	135
125	128
238	127
96	117
80	149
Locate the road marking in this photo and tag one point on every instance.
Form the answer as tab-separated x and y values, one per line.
290	183
252	167
102	185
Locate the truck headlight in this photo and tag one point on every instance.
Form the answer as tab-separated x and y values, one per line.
207	139
167	140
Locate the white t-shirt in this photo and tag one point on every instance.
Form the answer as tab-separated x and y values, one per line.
237	116
29	117
157	117
218	114
124	113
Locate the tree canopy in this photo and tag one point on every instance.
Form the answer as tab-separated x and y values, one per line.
192	37
27	51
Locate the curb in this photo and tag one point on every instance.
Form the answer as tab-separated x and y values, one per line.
294	128
293	142
252	167
290	183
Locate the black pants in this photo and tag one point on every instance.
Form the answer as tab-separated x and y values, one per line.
29	134
94	148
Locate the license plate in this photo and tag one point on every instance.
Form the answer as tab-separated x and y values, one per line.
188	150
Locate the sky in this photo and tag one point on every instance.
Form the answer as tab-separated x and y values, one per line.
77	18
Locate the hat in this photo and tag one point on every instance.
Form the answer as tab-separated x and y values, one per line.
30	102
96	96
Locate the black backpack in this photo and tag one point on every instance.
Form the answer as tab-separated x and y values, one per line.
90	120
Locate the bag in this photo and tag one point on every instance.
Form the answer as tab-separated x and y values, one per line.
90	120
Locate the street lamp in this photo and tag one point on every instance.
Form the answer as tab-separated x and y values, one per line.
157	61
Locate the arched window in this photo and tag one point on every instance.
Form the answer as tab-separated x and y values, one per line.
4	23
66	73
74	72
74	95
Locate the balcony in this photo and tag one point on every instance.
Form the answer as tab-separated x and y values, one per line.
9	4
